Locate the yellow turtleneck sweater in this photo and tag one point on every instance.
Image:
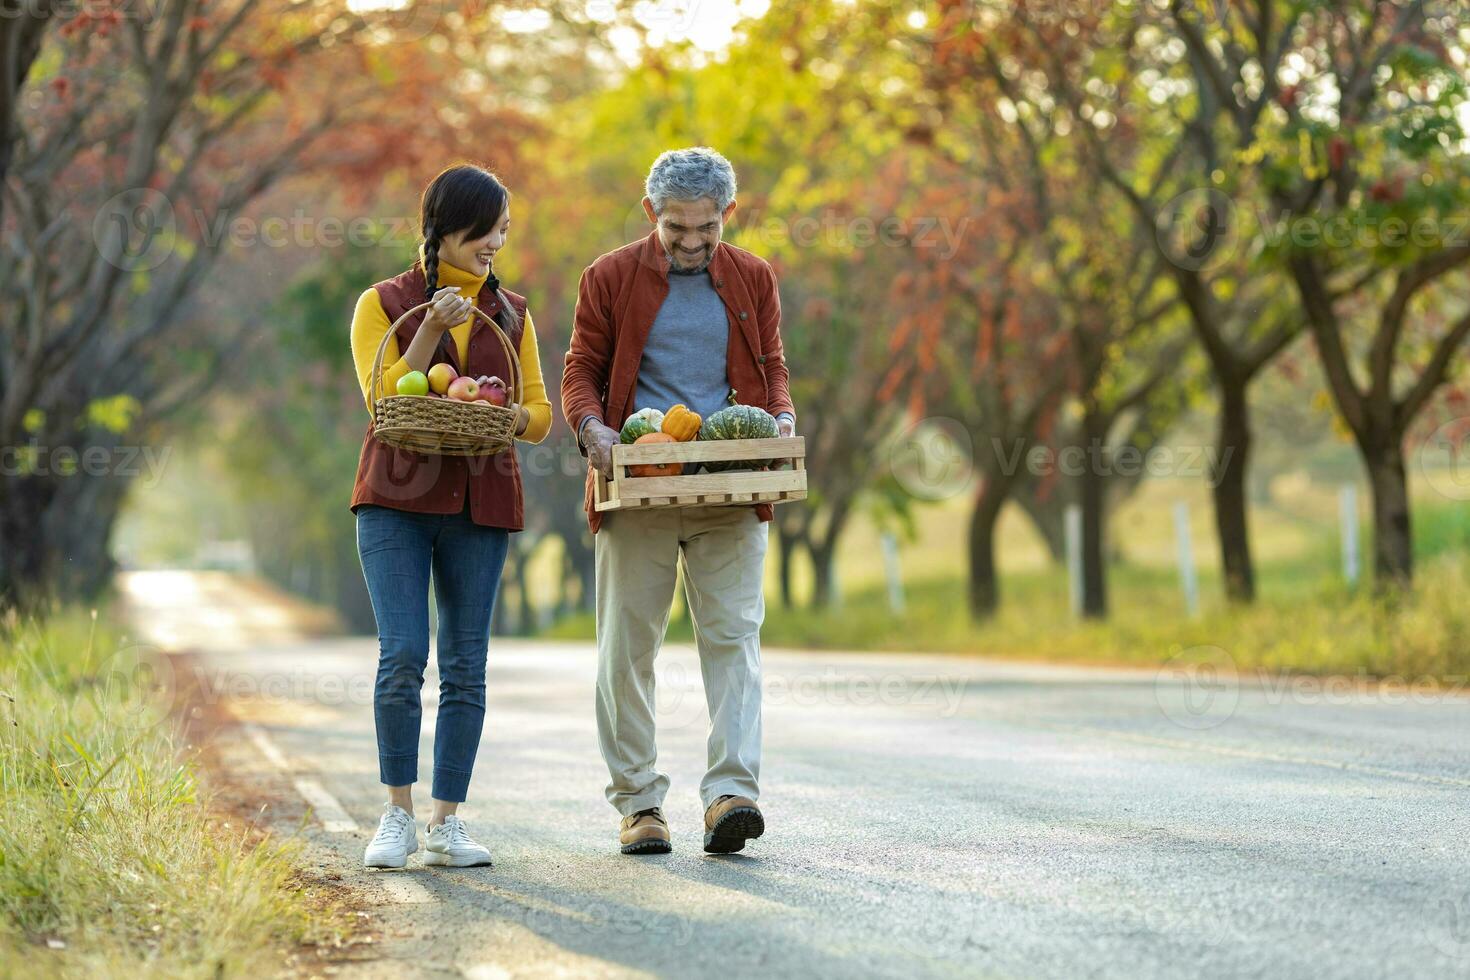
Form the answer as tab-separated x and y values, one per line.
370	322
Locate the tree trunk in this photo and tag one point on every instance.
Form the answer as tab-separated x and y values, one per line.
984	582
822	555
1091	495
22	28
823	551
77	530
1231	505
23	503
579	549
1393	546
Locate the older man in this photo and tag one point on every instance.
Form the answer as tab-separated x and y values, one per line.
679	316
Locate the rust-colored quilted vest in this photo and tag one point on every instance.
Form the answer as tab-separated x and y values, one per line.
429	484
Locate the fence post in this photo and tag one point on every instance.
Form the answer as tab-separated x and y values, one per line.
1347	511
1185	554
891	569
1072	526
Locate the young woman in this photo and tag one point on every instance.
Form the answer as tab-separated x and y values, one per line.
449	515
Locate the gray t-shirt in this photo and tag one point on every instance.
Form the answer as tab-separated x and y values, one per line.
684	358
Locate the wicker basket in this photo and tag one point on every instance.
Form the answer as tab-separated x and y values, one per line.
445	426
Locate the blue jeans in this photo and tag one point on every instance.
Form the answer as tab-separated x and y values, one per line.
398	550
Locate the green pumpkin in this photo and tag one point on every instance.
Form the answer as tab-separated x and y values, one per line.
737	422
641	423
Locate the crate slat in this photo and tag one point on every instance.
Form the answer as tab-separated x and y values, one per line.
792	447
635	487
703	500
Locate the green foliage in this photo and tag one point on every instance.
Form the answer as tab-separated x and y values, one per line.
115	414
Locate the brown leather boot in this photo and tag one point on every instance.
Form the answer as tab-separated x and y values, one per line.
645	832
729	822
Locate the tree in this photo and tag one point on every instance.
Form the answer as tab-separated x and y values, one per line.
1109	314
144	139
1346	114
1149	119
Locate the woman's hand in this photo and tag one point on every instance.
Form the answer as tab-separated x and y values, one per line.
523	418
449	310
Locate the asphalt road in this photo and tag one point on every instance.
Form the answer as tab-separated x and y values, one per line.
926	816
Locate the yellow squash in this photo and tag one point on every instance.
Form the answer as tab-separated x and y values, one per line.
681	423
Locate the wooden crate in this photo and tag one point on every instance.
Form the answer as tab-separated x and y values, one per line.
624	492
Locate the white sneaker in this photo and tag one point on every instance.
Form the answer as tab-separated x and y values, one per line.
396	839
449	844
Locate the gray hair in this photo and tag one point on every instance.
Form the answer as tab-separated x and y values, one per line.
688	175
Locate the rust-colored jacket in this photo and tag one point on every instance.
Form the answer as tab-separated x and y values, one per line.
620	295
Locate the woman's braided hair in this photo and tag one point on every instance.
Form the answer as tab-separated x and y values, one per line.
470	200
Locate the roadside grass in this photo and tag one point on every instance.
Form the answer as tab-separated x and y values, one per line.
1306	619
111	861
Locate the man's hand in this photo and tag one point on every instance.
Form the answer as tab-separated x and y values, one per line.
785	429
599	440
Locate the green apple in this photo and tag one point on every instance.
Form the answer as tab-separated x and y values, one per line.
413	383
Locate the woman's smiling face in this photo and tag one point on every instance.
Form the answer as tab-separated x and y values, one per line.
474	255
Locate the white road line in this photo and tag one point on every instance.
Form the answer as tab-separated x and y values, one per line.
486	971
402	889
334	817
266	746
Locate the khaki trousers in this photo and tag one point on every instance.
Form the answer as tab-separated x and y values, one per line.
723	550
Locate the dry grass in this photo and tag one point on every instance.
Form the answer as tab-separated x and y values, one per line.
112	861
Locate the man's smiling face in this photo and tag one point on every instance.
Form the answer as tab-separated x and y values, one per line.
689	230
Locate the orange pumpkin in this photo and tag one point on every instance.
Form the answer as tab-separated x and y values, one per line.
655	469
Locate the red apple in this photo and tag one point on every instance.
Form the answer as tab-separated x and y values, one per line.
492	390
441	376
464	389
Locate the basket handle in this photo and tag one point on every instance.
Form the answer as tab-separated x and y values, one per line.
375	385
